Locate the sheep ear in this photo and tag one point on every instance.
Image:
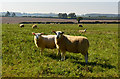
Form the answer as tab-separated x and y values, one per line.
54	32
33	33
62	33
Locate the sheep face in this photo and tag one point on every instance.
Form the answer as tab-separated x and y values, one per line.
58	34
85	30
37	35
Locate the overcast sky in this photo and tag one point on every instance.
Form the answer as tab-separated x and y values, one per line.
59	0
57	6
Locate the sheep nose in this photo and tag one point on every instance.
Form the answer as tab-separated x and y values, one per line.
36	37
57	37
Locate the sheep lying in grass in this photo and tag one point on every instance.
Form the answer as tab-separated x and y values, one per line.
82	31
34	26
75	44
21	25
44	41
80	25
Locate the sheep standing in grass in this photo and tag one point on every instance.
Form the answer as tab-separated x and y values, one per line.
75	44
34	26
21	25
44	41
80	25
82	31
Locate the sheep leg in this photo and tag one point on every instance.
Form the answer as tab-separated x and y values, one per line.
58	52
62	56
86	58
41	51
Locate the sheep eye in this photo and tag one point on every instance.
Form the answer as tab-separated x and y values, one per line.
39	34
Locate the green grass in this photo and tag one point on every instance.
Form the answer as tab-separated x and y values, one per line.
21	58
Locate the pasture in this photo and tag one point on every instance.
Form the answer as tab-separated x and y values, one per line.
21	58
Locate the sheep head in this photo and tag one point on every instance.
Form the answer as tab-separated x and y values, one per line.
37	35
58	34
85	30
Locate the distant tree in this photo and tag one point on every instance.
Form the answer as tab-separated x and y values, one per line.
79	18
7	14
72	15
13	14
62	15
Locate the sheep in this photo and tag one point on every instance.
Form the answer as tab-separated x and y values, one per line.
44	41
52	23
34	26
82	31
80	25
21	25
75	44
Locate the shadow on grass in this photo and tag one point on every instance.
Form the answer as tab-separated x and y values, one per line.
58	57
53	56
95	64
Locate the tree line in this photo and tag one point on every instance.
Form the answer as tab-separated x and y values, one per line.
70	15
60	15
8	14
64	15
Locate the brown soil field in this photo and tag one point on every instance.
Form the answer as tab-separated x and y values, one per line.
15	20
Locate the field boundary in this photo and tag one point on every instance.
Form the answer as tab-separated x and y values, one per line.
29	20
69	23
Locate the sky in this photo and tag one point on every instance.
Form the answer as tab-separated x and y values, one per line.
60	6
59	0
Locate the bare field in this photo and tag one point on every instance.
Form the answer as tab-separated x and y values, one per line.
14	20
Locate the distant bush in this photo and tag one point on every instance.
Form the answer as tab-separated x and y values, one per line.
46	23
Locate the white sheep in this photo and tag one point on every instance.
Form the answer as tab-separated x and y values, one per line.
44	41
80	25
34	26
83	31
21	25
75	44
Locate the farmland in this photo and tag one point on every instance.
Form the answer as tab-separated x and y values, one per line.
21	58
14	20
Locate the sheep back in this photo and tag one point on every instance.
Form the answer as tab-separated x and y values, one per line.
21	25
46	41
34	26
75	44
80	25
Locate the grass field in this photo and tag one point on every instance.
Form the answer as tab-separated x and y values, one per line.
21	58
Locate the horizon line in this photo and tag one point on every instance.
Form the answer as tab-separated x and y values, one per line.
57	12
